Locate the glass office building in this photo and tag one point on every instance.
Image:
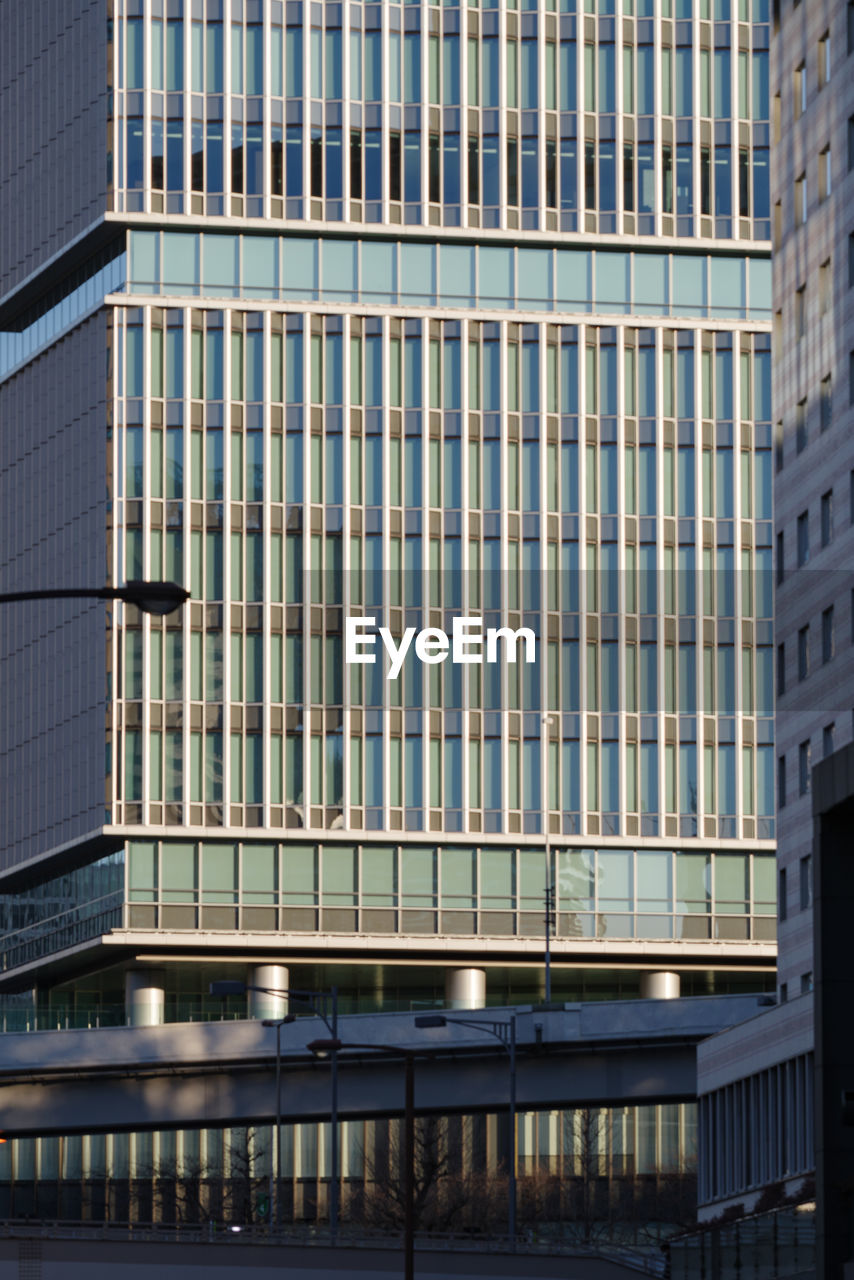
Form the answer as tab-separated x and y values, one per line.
406	311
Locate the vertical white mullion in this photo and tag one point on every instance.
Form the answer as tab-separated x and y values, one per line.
118	446
657	104
464	118
502	156
146	553
424	54
738	586
306	126
425	567
697	131
227	58
659	570
621	573
266	525
582	557
186	613
385	144
345	160
699	588
306	569
187	185
345	537
226	559
465	547
146	113
620	119
384	562
504	552
266	153
542	333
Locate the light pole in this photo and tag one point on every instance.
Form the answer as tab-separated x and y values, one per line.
504	1030
158	598
333	1046
548	718
324	1005
275	1178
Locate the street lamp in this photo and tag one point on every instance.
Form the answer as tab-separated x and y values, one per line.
323	1047
278	1023
324	1005
157	598
550	886
504	1030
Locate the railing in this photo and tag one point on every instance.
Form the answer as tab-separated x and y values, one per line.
650	1263
763	1247
65	929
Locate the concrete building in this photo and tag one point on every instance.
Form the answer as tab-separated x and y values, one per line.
403	312
758	1127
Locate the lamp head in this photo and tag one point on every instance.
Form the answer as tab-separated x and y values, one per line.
323	1048
157	598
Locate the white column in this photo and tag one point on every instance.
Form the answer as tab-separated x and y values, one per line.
145	997
659	986
465	988
259	1004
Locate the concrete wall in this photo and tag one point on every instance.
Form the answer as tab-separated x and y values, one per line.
96	1259
53	522
53	102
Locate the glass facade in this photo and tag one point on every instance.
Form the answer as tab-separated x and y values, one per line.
624	116
412	312
641	1160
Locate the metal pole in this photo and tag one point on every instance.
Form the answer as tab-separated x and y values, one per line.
511	1181
278	1183
409	1156
334	1188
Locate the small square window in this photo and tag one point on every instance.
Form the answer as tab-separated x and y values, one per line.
824	177
804	767
800	91
851	260
801	426
851	377
806	983
800	312
781	782
826	402
781	670
776	117
827	518
778	446
805	882
828	642
827	736
800	200
784	993
825	287
824	60
778	224
782	896
781	557
803	652
803	539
